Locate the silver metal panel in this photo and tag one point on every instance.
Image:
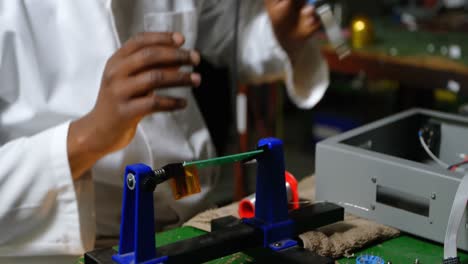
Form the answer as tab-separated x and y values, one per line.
453	143
349	175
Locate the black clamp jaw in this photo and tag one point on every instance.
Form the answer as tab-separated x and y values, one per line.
161	175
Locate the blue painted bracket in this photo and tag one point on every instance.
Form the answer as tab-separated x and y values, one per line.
137	244
271	203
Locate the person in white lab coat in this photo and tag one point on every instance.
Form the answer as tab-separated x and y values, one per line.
77	104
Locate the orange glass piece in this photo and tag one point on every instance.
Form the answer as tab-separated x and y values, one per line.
185	185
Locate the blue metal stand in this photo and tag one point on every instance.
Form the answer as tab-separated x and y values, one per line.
271	203
137	244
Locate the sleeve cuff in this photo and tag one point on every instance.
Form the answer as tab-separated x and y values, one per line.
52	220
75	198
307	80
60	166
67	227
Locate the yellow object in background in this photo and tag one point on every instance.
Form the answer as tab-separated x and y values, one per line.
362	32
445	96
188	185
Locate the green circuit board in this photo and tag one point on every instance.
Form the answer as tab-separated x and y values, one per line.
401	250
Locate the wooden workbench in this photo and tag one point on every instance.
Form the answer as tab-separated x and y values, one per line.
399	54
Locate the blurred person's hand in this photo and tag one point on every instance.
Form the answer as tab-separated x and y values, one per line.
145	63
293	21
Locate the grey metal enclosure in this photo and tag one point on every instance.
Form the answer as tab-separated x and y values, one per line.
381	172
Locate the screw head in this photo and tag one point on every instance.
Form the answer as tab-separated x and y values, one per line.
131	182
374	180
277	244
372	207
433	196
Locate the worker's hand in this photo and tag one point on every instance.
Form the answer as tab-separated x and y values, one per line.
293	21
147	62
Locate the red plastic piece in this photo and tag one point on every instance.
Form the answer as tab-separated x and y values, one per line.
246	207
294	203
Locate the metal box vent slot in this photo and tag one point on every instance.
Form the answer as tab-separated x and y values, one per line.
402	200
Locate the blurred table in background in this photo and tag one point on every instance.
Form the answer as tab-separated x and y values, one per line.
420	59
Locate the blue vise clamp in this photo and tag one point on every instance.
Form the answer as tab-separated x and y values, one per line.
271	203
137	244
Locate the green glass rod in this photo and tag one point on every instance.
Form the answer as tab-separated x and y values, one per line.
223	160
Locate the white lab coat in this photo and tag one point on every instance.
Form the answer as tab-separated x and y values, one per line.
52	55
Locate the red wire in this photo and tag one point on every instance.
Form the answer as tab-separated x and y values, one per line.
455	167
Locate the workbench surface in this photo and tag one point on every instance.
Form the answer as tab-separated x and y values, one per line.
401	250
399	54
